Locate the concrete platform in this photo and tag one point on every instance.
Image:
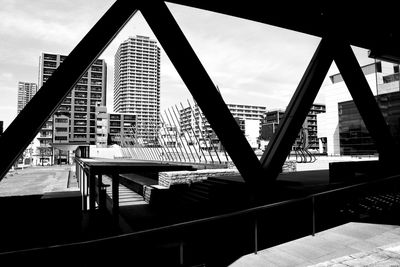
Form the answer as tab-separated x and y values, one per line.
351	244
37	180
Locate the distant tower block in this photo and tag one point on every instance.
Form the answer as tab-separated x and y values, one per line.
137	84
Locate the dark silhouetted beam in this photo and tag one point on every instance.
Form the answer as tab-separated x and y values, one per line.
364	100
297	110
318	18
46	101
202	88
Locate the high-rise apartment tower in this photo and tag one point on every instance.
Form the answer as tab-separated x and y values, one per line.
80	104
137	85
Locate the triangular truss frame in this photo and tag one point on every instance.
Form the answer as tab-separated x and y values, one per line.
50	96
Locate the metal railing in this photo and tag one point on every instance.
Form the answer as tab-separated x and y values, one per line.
183	135
253	212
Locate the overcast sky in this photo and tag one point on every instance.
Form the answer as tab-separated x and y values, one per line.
251	63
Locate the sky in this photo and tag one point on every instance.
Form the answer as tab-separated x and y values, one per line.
251	63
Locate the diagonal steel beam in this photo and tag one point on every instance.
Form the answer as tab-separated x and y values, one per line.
297	110
46	101
202	88
365	101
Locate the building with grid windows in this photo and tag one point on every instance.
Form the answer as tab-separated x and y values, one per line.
137	85
115	128
309	126
26	91
248	117
78	108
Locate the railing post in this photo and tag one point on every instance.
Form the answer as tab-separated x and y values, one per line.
313	215
92	191
84	188
115	194
181	253
255	235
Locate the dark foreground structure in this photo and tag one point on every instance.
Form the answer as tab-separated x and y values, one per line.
242	214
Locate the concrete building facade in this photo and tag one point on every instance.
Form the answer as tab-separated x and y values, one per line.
115	128
137	84
379	76
248	117
79	107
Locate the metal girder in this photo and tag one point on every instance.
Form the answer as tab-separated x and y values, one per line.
364	99
297	110
46	101
202	88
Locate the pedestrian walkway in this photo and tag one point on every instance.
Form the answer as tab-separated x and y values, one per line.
126	196
351	244
380	257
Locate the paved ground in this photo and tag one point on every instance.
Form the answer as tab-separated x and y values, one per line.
351	244
36	180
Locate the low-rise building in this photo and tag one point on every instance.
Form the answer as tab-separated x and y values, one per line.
309	128
115	128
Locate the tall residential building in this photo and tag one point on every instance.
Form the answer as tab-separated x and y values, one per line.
137	84
79	107
26	91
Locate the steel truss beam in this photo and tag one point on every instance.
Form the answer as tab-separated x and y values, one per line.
365	101
46	101
300	104
297	110
28	123
202	88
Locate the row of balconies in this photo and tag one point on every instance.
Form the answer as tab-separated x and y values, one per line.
140	108
97	69
139	78
98	62
48	71
49	57
45	135
95	75
132	65
139	52
136	95
49	64
139	82
246	107
96	89
132	58
83	101
80	136
139	92
127	84
137	111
